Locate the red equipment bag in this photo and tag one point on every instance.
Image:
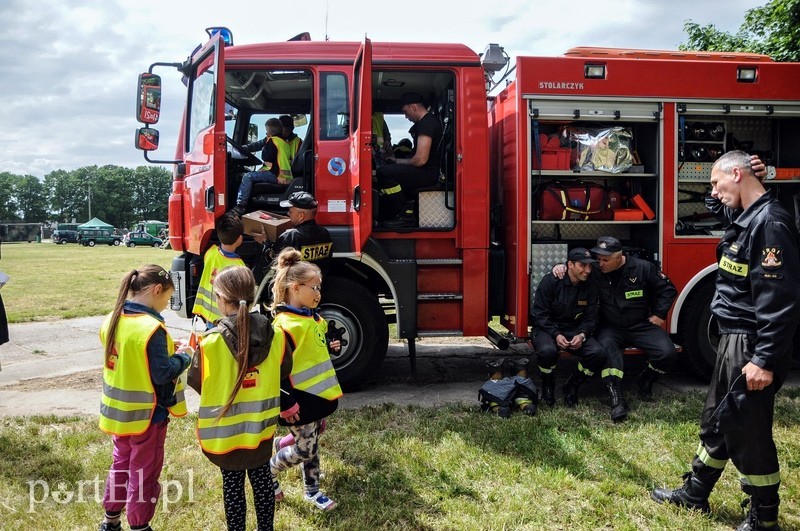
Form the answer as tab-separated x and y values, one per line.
576	201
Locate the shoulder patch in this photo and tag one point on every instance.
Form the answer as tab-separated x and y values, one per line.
772	257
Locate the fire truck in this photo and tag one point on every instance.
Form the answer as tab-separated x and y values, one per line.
483	238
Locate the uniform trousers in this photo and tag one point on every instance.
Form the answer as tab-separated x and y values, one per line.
751	449
652	339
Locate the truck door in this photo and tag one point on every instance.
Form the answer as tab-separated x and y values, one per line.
361	147
204	144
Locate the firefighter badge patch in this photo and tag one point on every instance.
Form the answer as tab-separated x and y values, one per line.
772	258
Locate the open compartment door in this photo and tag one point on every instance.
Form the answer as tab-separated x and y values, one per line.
361	147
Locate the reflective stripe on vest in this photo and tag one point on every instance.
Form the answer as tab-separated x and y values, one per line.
205	304
129	399
312	369
253	415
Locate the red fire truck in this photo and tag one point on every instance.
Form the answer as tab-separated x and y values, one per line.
485	236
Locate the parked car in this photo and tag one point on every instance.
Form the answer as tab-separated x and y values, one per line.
91	237
64	236
134	238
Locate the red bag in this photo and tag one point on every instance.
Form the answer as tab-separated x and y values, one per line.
576	201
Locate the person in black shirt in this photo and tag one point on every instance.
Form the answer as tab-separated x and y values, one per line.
312	240
399	180
564	318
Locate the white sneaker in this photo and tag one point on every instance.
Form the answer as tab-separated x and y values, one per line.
322	502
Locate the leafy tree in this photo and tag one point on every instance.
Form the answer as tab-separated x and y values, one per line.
152	186
8	203
66	195
31	199
773	29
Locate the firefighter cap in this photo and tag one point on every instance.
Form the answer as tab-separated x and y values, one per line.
579	254
302	200
607	245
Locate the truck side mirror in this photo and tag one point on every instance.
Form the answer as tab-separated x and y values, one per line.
147	139
148	103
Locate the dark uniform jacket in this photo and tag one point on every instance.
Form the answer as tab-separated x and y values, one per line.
561	307
758	282
640	291
312	240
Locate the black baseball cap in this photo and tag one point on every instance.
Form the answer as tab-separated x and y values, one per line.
300	200
411	97
579	254
607	245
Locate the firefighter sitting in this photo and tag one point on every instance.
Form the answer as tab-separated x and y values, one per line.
564	318
501	395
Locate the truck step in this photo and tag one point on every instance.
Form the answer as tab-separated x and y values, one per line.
439	296
439	261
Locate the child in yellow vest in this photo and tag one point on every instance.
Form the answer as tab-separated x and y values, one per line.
140	390
314	390
237	374
230	234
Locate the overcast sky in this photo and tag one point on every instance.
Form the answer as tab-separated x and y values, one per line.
69	68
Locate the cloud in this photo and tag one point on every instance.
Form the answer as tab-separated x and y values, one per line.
70	68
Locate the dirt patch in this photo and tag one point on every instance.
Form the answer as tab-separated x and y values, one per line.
91	380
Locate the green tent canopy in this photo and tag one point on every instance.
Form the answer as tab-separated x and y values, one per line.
96	223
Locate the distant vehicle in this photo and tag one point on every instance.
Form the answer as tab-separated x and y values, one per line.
64	237
134	238
91	237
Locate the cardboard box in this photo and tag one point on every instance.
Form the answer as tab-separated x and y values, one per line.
273	224
639	201
628	214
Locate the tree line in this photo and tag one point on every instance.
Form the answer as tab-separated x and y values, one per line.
118	195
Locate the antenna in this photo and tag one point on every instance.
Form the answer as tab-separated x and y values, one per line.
326	20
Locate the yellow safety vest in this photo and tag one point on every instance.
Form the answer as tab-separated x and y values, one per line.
294	146
377	128
129	399
254	412
205	304
312	369
285	154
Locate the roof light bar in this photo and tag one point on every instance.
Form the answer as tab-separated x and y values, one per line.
225	34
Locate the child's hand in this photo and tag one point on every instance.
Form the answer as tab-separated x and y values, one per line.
335	345
184	346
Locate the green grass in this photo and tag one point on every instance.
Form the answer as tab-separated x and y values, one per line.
51	281
413	468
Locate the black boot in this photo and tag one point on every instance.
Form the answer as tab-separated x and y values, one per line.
571	388
693	494
549	388
619	408
760	517
646	380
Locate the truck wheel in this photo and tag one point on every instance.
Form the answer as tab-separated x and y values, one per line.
91	243
116	243
698	331
63	241
131	244
155	244
357	320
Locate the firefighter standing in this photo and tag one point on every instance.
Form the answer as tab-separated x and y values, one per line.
564	318
757	306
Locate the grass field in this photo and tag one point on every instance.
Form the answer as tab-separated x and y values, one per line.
413	468
50	281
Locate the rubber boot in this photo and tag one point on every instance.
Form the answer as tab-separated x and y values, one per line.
763	513
646	381
571	388
693	494
549	388
759	517
527	403
619	408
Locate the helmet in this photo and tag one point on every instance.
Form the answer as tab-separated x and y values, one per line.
699	131
699	152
